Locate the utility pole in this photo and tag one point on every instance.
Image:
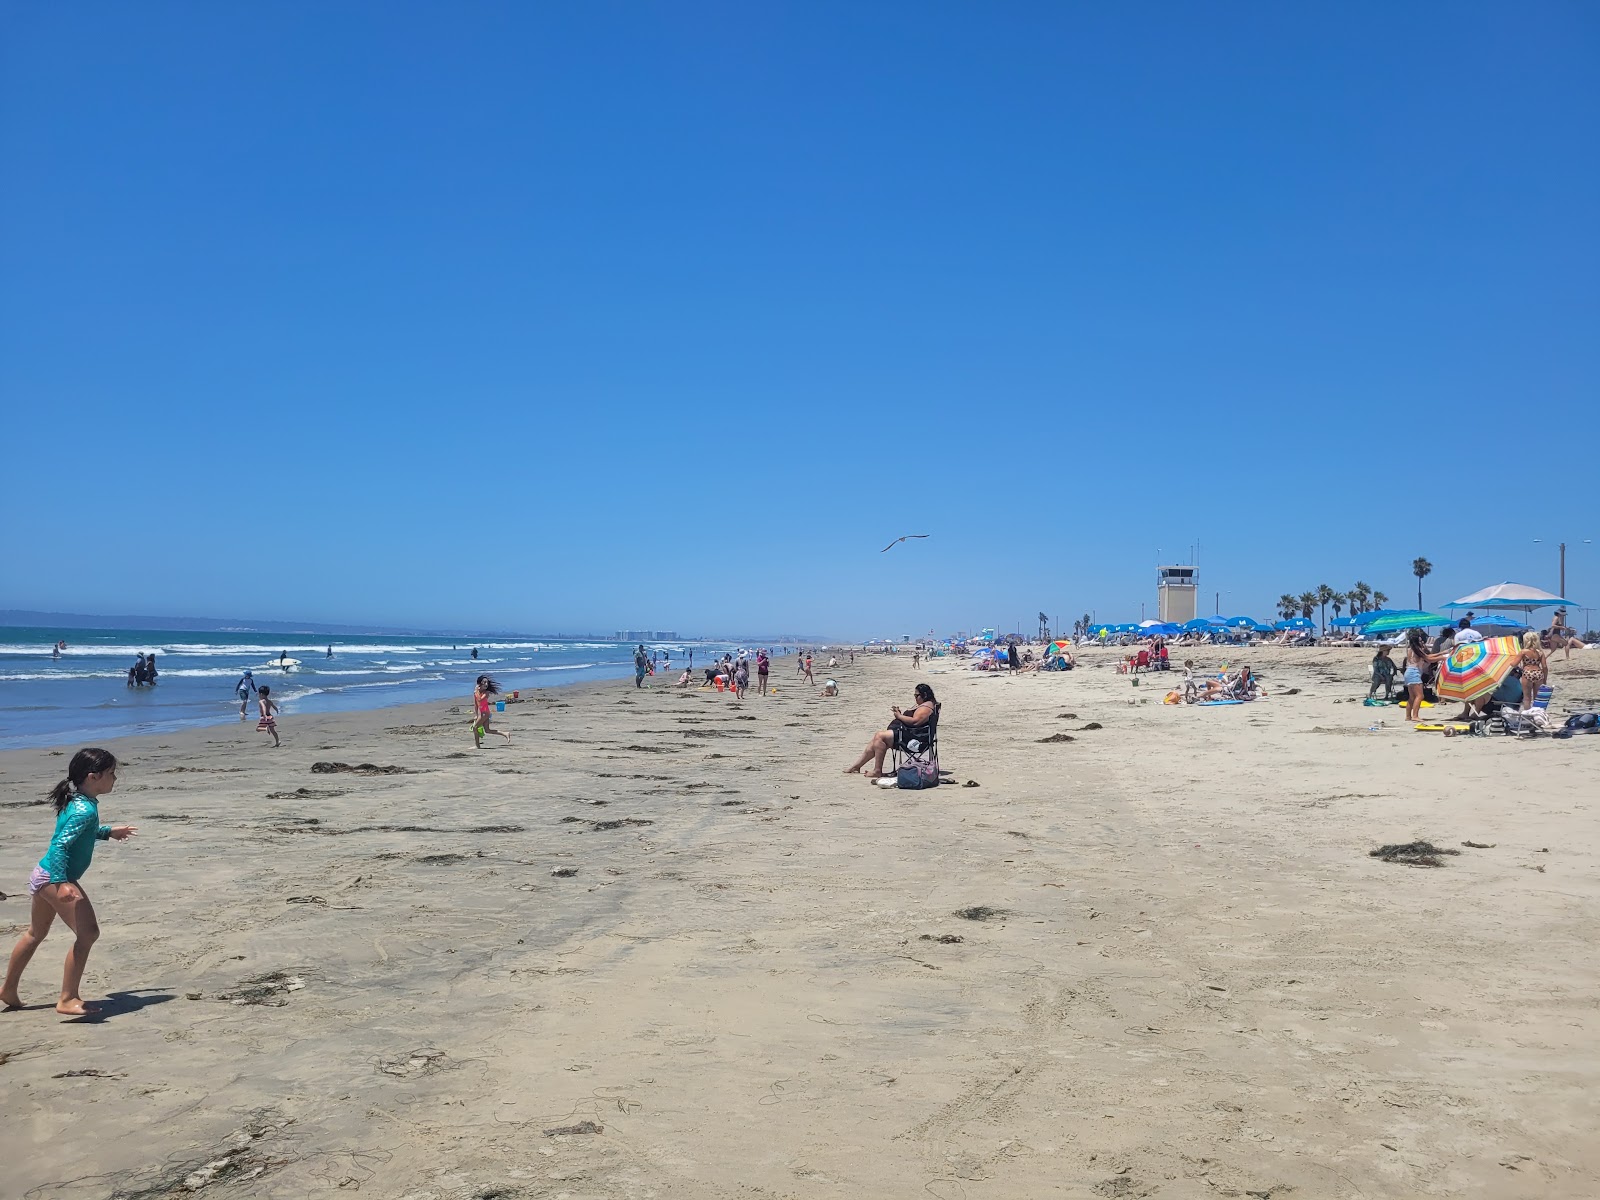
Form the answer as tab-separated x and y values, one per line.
1563	590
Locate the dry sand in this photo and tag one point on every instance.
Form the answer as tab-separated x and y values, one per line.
1195	981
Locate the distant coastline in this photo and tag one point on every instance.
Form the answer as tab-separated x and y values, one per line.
21	618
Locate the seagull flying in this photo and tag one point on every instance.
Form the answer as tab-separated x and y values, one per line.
898	540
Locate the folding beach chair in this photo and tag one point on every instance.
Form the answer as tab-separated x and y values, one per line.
920	753
1532	720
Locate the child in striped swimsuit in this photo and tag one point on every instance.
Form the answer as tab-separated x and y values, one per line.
269	715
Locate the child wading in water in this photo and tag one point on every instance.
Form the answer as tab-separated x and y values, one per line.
54	884
481	728
269	714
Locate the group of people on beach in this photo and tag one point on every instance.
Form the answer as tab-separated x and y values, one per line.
1420	671
143	672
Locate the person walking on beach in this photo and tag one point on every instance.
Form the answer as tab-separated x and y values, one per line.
54	884
269	714
763	665
741	679
807	665
242	689
641	664
481	692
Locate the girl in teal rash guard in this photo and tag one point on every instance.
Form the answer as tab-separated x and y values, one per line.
54	885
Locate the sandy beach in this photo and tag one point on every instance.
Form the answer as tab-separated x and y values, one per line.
661	947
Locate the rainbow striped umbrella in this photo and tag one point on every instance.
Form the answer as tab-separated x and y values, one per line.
1475	669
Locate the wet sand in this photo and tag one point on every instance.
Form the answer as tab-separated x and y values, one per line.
667	923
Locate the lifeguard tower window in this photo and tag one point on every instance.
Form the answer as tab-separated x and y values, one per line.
1176	591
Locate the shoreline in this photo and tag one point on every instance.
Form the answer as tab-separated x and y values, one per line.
1150	946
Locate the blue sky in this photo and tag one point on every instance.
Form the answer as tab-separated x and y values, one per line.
654	315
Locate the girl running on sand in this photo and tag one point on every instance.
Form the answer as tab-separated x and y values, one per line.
54	884
269	714
481	692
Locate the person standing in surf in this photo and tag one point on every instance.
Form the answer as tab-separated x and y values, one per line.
481	693
242	689
55	883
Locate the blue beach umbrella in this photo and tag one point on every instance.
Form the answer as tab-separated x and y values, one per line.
1497	620
1295	623
1371	615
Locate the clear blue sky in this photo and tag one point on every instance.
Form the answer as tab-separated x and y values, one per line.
672	315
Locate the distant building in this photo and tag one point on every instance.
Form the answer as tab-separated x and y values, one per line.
646	635
1176	592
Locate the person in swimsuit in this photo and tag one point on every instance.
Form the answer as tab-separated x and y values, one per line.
1418	660
54	884
1535	668
269	714
763	665
482	690
808	669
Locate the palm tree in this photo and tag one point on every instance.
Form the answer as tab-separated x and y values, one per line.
1339	600
1324	598
1288	606
1379	599
1308	602
1421	568
1358	597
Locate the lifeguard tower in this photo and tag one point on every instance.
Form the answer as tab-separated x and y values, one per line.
1176	589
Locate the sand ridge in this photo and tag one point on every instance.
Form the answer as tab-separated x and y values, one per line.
660	946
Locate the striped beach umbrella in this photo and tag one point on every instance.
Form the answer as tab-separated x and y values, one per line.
1475	669
1405	619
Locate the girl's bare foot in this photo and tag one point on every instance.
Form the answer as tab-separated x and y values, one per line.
10	1003
874	774
74	1008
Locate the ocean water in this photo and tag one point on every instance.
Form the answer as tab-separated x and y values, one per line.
83	695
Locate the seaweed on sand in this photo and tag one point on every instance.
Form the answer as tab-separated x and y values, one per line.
1413	854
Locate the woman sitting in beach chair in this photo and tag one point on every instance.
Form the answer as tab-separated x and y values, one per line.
912	731
1242	686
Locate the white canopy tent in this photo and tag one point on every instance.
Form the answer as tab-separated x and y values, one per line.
1520	597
